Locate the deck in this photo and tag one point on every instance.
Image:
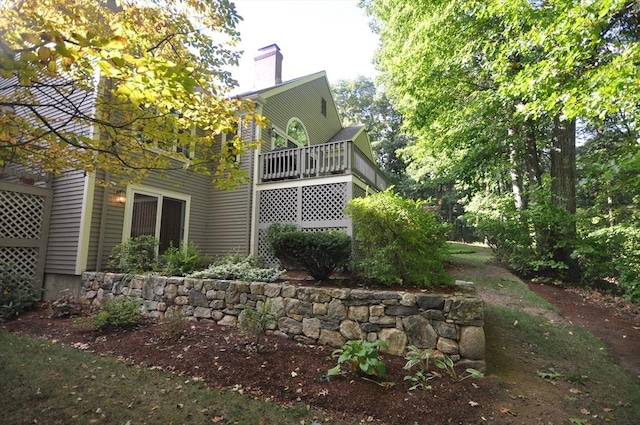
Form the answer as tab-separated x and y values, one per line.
319	161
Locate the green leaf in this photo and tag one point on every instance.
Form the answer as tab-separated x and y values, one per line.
333	371
62	50
31	38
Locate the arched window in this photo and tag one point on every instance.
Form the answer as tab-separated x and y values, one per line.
297	132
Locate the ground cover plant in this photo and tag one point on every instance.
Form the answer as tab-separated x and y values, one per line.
240	267
527	344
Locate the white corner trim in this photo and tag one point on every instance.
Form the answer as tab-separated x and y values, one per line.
86	214
253	234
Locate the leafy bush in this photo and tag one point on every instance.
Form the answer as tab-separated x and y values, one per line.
275	229
17	291
236	267
526	240
183	260
256	321
362	356
398	240
272	232
135	255
610	258
117	313
174	325
319	253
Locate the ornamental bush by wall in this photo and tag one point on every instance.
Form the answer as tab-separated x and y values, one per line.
399	240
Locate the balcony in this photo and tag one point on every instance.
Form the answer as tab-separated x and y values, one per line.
320	161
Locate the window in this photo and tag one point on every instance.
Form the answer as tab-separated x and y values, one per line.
149	128
295	136
323	107
160	214
297	132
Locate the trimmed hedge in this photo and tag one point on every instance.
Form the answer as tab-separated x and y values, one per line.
318	253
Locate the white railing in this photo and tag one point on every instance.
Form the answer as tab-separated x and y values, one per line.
320	160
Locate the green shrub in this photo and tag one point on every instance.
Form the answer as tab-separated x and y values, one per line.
237	267
117	313
526	240
174	325
183	260
363	358
272	232
610	258
135	255
256	321
319	253
398	241
17	291
275	229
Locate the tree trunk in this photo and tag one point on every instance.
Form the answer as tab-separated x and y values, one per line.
531	156
563	164
516	180
563	189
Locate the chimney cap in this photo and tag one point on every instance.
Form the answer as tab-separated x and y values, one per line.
267	51
268	67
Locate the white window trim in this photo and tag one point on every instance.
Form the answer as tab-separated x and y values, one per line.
285	136
174	154
160	193
306	133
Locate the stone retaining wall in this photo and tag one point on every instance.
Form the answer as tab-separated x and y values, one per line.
449	323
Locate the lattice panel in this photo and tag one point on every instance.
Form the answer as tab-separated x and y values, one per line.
279	205
358	192
324	229
264	251
324	202
20	215
23	259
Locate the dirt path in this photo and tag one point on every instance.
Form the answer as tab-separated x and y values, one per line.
617	327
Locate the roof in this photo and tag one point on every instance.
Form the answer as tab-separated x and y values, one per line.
270	91
347	134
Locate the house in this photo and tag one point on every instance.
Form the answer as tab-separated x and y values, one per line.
307	168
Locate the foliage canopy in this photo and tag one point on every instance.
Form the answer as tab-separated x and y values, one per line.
122	86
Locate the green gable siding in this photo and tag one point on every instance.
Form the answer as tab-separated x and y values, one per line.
304	102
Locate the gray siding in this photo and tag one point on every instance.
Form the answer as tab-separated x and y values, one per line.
64	229
230	212
183	182
61	107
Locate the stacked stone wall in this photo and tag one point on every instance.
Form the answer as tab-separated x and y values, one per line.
451	324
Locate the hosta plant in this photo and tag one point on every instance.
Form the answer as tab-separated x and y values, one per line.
363	358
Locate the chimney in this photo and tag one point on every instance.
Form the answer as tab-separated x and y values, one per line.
268	67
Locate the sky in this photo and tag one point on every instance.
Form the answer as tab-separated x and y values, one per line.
313	36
